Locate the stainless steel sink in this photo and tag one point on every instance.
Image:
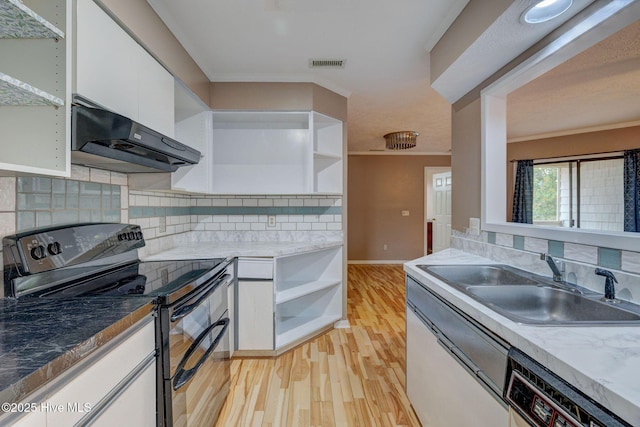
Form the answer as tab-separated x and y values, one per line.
476	275
532	299
547	305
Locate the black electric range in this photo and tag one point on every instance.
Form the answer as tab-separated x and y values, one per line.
99	260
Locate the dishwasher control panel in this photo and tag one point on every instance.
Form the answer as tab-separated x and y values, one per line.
536	407
546	400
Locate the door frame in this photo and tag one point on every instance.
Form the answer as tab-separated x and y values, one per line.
428	197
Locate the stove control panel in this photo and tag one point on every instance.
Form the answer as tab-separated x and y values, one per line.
57	247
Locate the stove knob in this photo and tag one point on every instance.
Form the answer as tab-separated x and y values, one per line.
132	235
139	235
54	248
38	253
122	236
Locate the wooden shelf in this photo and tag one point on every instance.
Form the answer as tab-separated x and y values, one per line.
295	291
16	92
18	21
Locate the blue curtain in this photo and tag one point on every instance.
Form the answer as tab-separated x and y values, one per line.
523	193
632	190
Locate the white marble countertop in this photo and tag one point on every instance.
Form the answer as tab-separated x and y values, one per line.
201	250
603	362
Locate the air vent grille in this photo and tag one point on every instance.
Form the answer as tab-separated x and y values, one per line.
327	63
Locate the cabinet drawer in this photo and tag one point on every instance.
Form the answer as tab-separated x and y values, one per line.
255	268
90	384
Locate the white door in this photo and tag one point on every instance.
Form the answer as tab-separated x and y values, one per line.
442	211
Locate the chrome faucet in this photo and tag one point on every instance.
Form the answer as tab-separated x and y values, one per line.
557	273
609	287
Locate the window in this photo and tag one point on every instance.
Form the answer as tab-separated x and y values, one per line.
585	193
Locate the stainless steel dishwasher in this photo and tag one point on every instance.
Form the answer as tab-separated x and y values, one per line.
436	385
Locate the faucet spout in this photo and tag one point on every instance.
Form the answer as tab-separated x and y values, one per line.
557	274
609	287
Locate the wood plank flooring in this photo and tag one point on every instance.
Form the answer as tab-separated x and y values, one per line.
345	377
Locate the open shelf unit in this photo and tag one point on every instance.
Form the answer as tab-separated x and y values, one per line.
18	21
308	293
34	77
16	92
267	152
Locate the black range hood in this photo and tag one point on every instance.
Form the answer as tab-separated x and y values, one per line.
106	140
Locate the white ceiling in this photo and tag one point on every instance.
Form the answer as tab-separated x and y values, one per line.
386	46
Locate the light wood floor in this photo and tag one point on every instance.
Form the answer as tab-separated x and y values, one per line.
346	377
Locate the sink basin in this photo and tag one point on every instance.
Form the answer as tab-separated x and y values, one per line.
479	275
531	299
547	305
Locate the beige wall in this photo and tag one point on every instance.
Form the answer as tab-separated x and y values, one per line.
466	167
380	188
143	22
568	145
277	96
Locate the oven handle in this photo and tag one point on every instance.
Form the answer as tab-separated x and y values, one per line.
184	375
184	310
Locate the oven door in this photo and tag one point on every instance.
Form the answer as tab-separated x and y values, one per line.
199	363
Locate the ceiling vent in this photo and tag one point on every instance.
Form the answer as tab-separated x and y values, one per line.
327	63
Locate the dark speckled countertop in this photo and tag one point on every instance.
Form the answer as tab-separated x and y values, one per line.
40	338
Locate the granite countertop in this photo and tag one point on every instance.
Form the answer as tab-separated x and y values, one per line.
40	338
602	361
201	250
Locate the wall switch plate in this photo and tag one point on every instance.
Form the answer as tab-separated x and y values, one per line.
405	213
271	221
384	247
163	224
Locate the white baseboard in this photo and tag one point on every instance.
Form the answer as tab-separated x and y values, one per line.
342	324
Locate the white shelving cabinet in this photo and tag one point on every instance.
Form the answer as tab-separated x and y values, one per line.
285	300
308	294
266	152
116	72
193	127
35	85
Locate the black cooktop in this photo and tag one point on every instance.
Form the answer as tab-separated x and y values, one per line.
96	259
152	278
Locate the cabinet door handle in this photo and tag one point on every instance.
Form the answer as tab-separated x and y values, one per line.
182	375
183	310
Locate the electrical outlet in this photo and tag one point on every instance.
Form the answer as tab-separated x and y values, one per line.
271	221
163	224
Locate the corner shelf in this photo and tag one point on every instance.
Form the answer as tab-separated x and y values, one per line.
295	291
16	92
308	294
18	21
297	327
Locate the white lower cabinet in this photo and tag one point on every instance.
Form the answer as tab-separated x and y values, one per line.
283	301
115	385
255	313
441	391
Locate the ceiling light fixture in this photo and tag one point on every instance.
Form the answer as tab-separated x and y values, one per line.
545	10
401	140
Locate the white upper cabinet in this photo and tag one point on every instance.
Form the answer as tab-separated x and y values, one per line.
114	71
276	153
192	127
34	86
